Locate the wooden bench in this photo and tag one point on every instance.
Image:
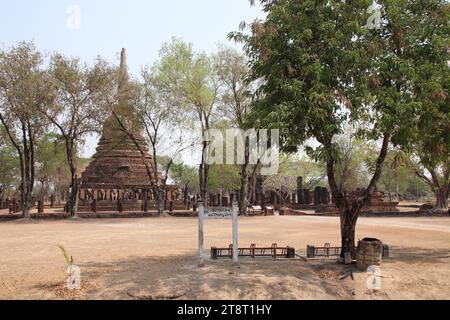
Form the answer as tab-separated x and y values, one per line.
274	251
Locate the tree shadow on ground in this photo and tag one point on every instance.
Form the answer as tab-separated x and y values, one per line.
415	254
179	276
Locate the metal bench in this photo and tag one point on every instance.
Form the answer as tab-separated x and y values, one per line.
274	251
328	251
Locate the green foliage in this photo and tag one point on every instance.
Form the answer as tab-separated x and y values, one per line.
304	52
67	257
187	76
224	177
323	70
185	175
9	166
430	151
291	167
50	155
397	173
354	162
416	189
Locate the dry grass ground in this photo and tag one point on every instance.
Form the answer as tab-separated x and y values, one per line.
155	258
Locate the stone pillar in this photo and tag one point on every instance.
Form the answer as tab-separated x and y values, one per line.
52	201
325	196
263	202
300	190
145	205
40	206
259	188
119	205
188	205
317	196
306	197
274	200
272	197
283	198
94	205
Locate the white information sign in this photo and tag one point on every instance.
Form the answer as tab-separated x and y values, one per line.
219	213
222	213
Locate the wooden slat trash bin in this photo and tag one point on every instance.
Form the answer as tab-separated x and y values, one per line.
369	253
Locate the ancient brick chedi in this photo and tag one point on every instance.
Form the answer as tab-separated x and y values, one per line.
117	171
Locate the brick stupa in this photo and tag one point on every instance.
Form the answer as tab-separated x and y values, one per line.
117	171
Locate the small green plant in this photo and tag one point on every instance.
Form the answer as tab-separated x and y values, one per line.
67	257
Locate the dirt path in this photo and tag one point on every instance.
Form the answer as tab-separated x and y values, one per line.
155	257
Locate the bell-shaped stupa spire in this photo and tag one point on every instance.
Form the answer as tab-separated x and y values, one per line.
123	72
117	163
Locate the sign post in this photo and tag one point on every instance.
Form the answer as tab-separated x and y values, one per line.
201	248
235	233
217	214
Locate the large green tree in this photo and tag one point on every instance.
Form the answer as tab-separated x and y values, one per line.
9	167
193	85
74	112
186	177
235	103
325	65
24	88
431	148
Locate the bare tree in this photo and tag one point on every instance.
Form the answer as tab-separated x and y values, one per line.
145	109
231	68
24	87
194	85
74	111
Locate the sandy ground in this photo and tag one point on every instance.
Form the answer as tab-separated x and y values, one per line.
156	258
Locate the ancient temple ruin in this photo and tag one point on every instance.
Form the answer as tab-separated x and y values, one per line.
117	178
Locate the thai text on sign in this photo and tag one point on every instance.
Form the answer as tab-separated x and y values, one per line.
218	214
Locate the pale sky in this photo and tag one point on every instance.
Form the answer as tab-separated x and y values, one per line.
106	26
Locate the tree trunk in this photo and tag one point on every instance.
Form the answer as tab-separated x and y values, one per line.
442	198
185	194
348	230
349	213
160	201
73	193
203	175
26	199
25	209
397	185
243	199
